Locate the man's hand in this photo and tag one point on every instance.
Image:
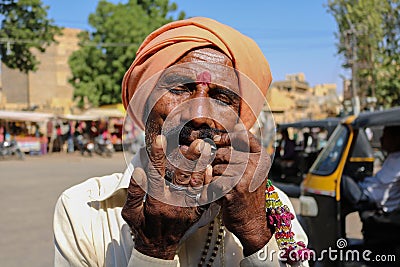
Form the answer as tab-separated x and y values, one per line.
240	158
160	221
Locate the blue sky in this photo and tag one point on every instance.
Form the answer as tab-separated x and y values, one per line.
295	35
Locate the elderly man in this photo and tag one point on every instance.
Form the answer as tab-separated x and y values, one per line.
196	194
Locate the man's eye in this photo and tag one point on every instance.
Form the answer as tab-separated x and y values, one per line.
223	99
179	89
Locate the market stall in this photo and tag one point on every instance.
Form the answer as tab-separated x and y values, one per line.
111	119
27	128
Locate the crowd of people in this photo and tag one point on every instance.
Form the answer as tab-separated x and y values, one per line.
68	136
62	135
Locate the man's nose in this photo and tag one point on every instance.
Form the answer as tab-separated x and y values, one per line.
200	111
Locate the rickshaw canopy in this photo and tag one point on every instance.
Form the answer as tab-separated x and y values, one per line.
329	124
375	118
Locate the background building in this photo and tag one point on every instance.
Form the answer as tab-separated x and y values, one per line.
293	99
47	89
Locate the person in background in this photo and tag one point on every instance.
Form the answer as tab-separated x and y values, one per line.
94	132
2	132
70	137
50	135
382	190
59	138
287	146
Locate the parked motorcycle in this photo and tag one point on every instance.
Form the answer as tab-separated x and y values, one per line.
10	148
84	145
103	147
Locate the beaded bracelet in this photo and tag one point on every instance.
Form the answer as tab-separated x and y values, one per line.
279	220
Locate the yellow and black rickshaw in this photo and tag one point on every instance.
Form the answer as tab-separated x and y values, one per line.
352	150
309	137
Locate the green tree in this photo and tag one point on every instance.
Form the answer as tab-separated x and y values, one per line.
388	69
368	38
24	28
105	53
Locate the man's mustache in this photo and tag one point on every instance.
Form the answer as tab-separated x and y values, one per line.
183	133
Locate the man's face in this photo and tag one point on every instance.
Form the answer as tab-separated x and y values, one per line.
389	141
195	99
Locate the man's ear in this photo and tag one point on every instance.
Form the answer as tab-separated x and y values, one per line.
146	113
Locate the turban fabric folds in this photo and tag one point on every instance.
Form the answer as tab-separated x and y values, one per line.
168	44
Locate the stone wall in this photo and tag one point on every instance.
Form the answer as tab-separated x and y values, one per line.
48	87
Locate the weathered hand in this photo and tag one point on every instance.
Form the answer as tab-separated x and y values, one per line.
158	226
241	159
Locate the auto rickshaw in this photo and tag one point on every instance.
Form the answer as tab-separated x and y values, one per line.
310	138
352	151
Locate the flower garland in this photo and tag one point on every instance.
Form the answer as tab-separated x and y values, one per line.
279	220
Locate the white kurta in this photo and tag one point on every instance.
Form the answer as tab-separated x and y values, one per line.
384	187
90	231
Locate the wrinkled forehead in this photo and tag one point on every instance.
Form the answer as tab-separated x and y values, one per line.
203	65
206	54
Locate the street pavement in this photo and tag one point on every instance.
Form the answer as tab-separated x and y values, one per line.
29	190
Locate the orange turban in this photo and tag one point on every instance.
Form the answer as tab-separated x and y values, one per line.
163	47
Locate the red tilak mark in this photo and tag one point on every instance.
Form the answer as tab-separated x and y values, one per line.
204	78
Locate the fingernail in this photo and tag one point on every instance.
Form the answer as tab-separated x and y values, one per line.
217	138
159	140
200	146
209	170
